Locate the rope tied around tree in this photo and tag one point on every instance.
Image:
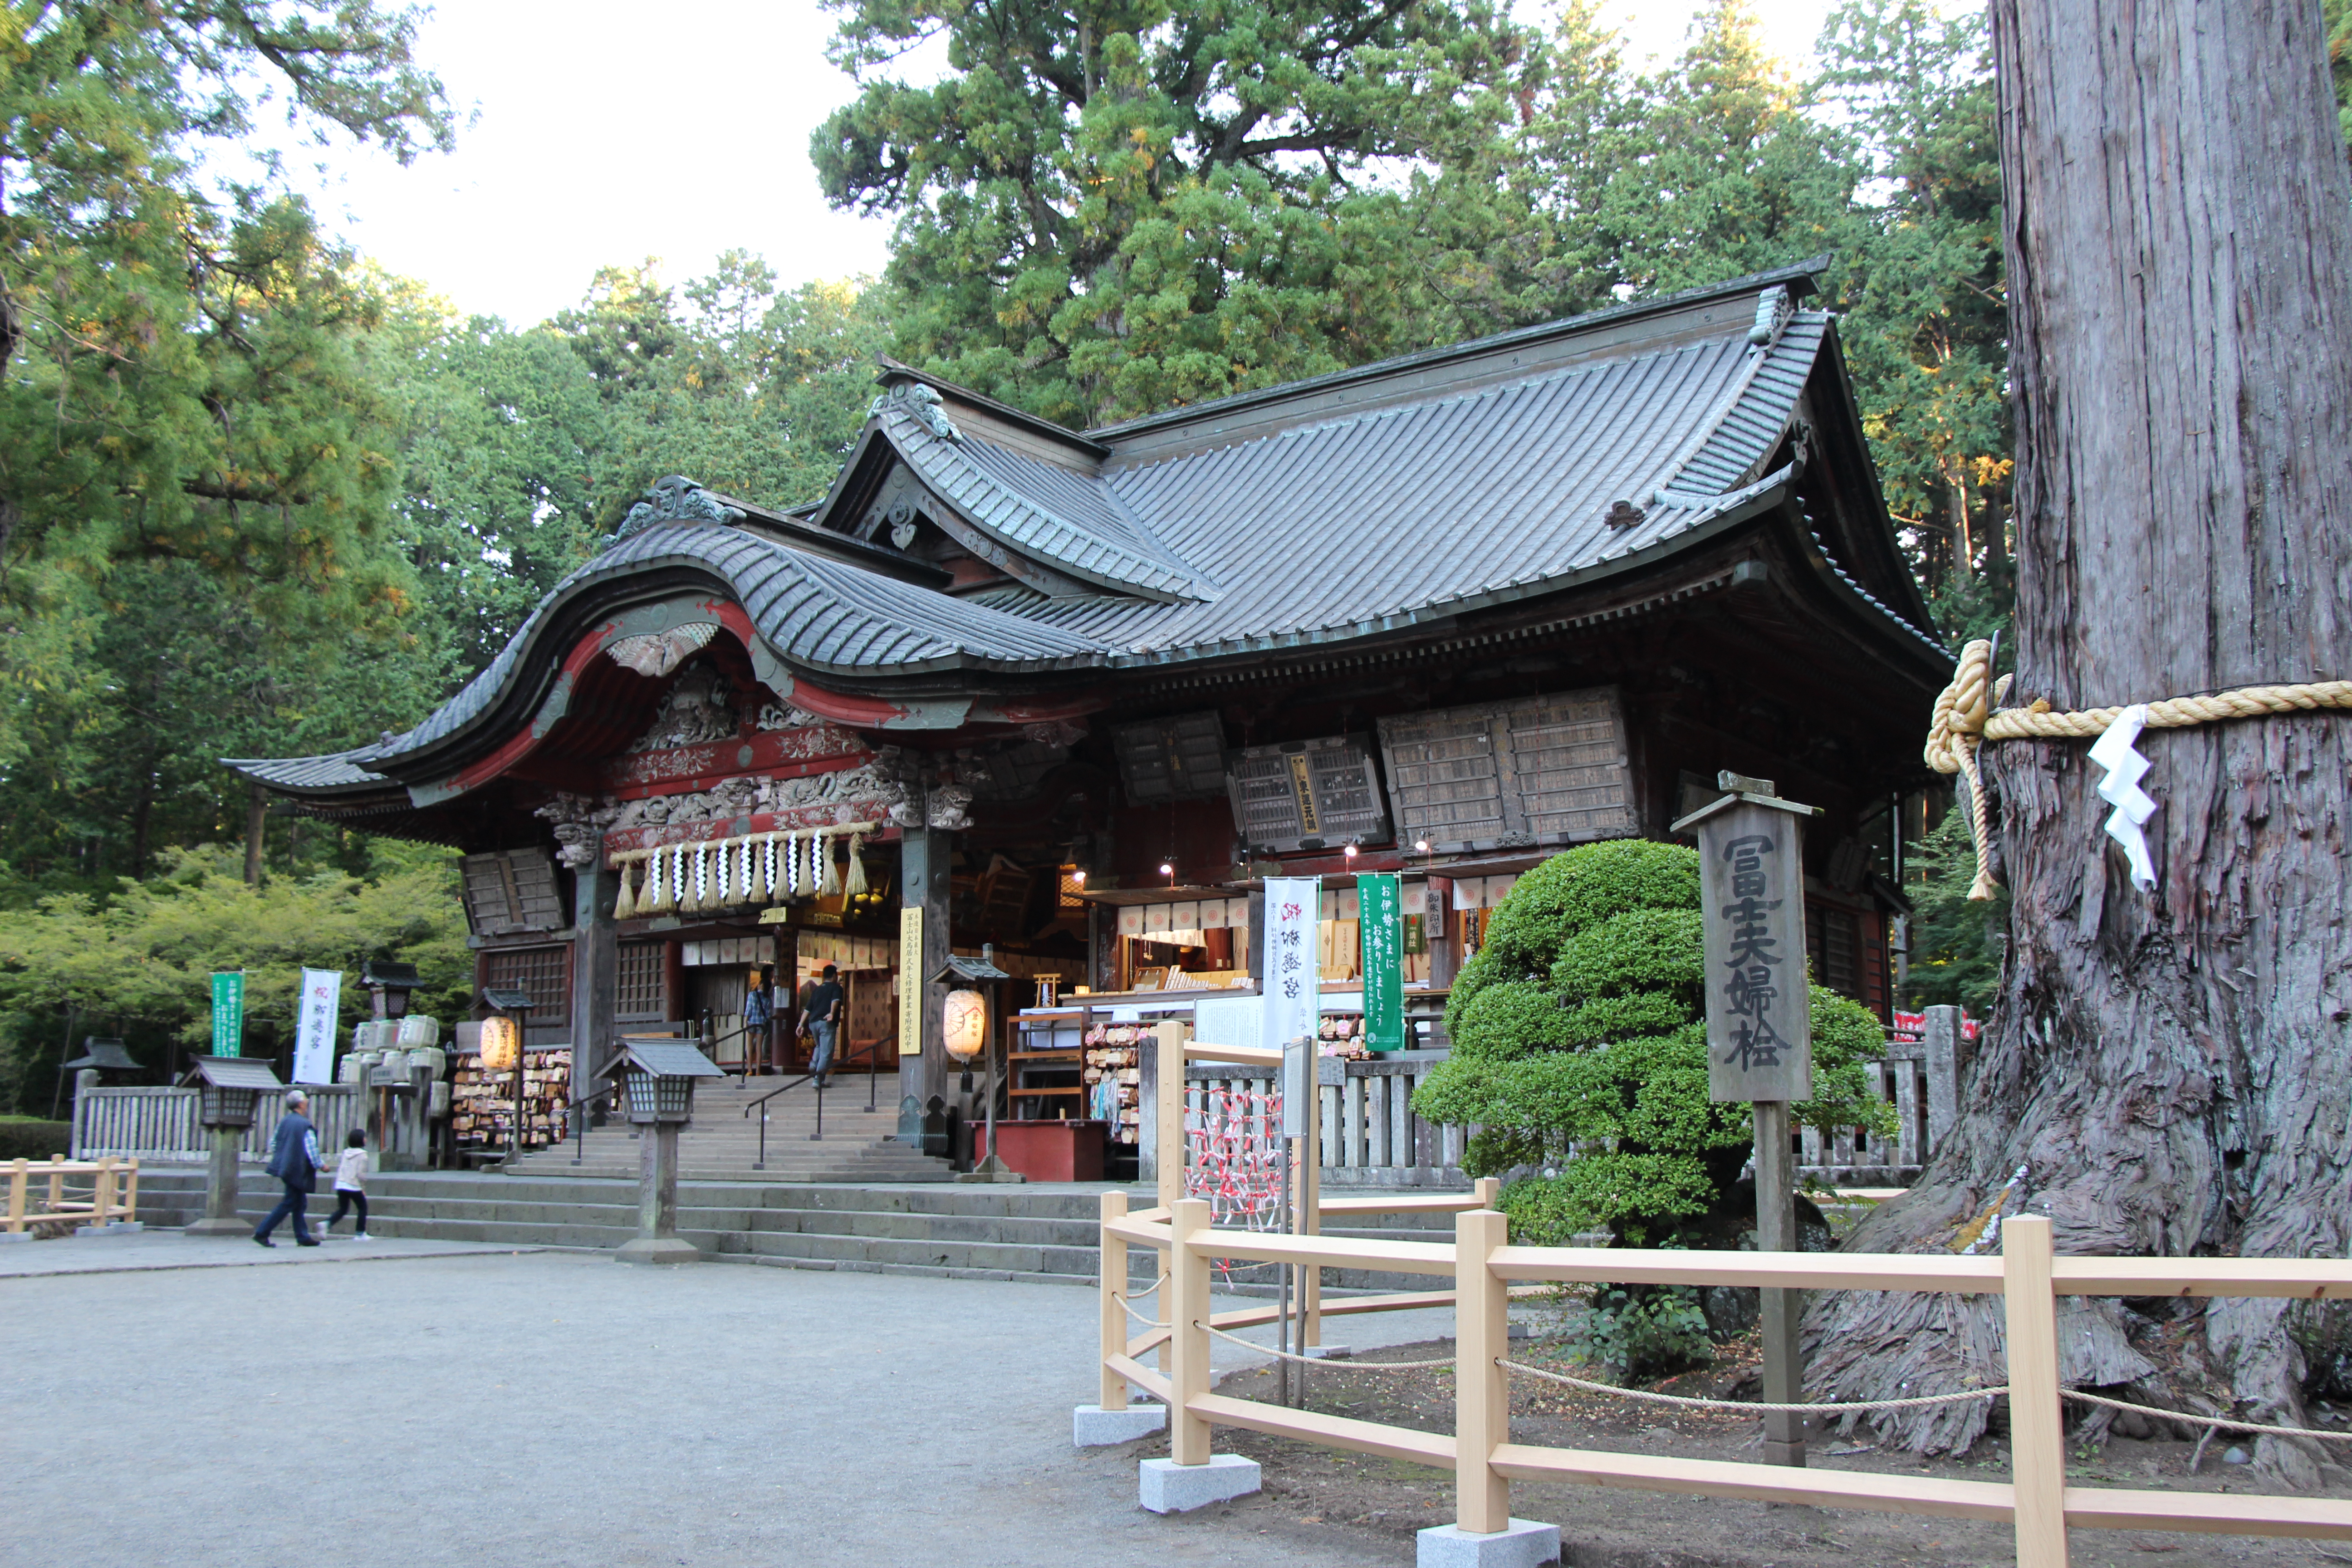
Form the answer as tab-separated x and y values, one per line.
1968	713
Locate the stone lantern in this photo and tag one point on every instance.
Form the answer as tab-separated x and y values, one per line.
658	1092
232	1086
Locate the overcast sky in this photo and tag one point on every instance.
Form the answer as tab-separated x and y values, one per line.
608	132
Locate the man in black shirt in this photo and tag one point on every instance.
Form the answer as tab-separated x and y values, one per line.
823	1018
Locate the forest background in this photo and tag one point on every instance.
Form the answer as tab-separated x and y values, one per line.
258	497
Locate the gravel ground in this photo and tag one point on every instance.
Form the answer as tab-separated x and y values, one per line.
557	1408
1379	1502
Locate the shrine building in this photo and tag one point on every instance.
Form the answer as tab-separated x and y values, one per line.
1075	695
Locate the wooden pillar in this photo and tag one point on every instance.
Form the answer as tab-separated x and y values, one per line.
596	975
1481	1400
1782	1309
1188	1286
926	865
2037	1445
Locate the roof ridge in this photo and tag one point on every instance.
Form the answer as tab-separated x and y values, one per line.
1798	277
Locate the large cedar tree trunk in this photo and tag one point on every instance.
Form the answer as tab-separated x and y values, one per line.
2173	1072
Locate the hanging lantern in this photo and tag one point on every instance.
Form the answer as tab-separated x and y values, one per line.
964	1023
501	1044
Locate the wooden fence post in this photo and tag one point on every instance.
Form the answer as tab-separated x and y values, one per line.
1113	1394
1490	1191
1482	1399
1168	1109
2037	1445
131	1193
1188	1288
17	1194
101	1195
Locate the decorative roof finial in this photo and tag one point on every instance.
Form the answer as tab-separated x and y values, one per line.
920	404
674	499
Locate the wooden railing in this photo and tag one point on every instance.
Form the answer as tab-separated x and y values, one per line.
161	1124
112	1194
1482	1266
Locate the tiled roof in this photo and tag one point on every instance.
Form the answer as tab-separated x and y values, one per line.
1067	519
1369	500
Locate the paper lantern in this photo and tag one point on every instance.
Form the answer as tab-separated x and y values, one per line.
964	1023
501	1044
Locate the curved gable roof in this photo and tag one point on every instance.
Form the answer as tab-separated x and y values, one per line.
1068	520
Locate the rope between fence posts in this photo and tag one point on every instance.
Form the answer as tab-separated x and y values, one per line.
1147	1323
1751	1405
1315	1361
2202	1420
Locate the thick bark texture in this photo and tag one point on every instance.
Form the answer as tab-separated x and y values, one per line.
2170	1072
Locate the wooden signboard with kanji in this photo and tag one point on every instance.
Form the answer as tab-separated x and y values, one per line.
1760	1030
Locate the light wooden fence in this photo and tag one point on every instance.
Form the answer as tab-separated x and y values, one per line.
1482	1267
110	1196
159	1124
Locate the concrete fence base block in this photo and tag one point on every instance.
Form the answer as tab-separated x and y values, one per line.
1092	1427
658	1249
112	1227
1526	1545
15	1236
1167	1487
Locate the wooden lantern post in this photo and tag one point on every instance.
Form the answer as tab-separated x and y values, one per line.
1759	1035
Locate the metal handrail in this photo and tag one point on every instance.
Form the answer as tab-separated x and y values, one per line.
580	1123
818	1136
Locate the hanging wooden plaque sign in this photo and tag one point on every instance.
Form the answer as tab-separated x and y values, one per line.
1307	795
1759	1026
1539	770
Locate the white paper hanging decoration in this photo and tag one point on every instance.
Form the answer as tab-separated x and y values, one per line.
768	872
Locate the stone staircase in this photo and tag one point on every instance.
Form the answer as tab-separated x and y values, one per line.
1043	1234
722	1143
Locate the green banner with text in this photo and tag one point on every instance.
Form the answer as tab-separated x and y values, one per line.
229	1014
1380	911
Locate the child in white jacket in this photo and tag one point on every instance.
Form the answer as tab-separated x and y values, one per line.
350	1184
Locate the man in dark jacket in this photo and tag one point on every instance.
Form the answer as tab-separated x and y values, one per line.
293	1160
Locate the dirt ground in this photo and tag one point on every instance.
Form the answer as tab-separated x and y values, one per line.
1383	1501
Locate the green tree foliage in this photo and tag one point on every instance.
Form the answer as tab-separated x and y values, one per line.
1108	210
182	385
136	965
752	391
1926	327
1954	943
1580	1046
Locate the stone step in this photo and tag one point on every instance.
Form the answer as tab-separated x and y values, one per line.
981	1232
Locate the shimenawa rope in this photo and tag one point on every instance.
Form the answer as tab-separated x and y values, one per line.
1968	714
